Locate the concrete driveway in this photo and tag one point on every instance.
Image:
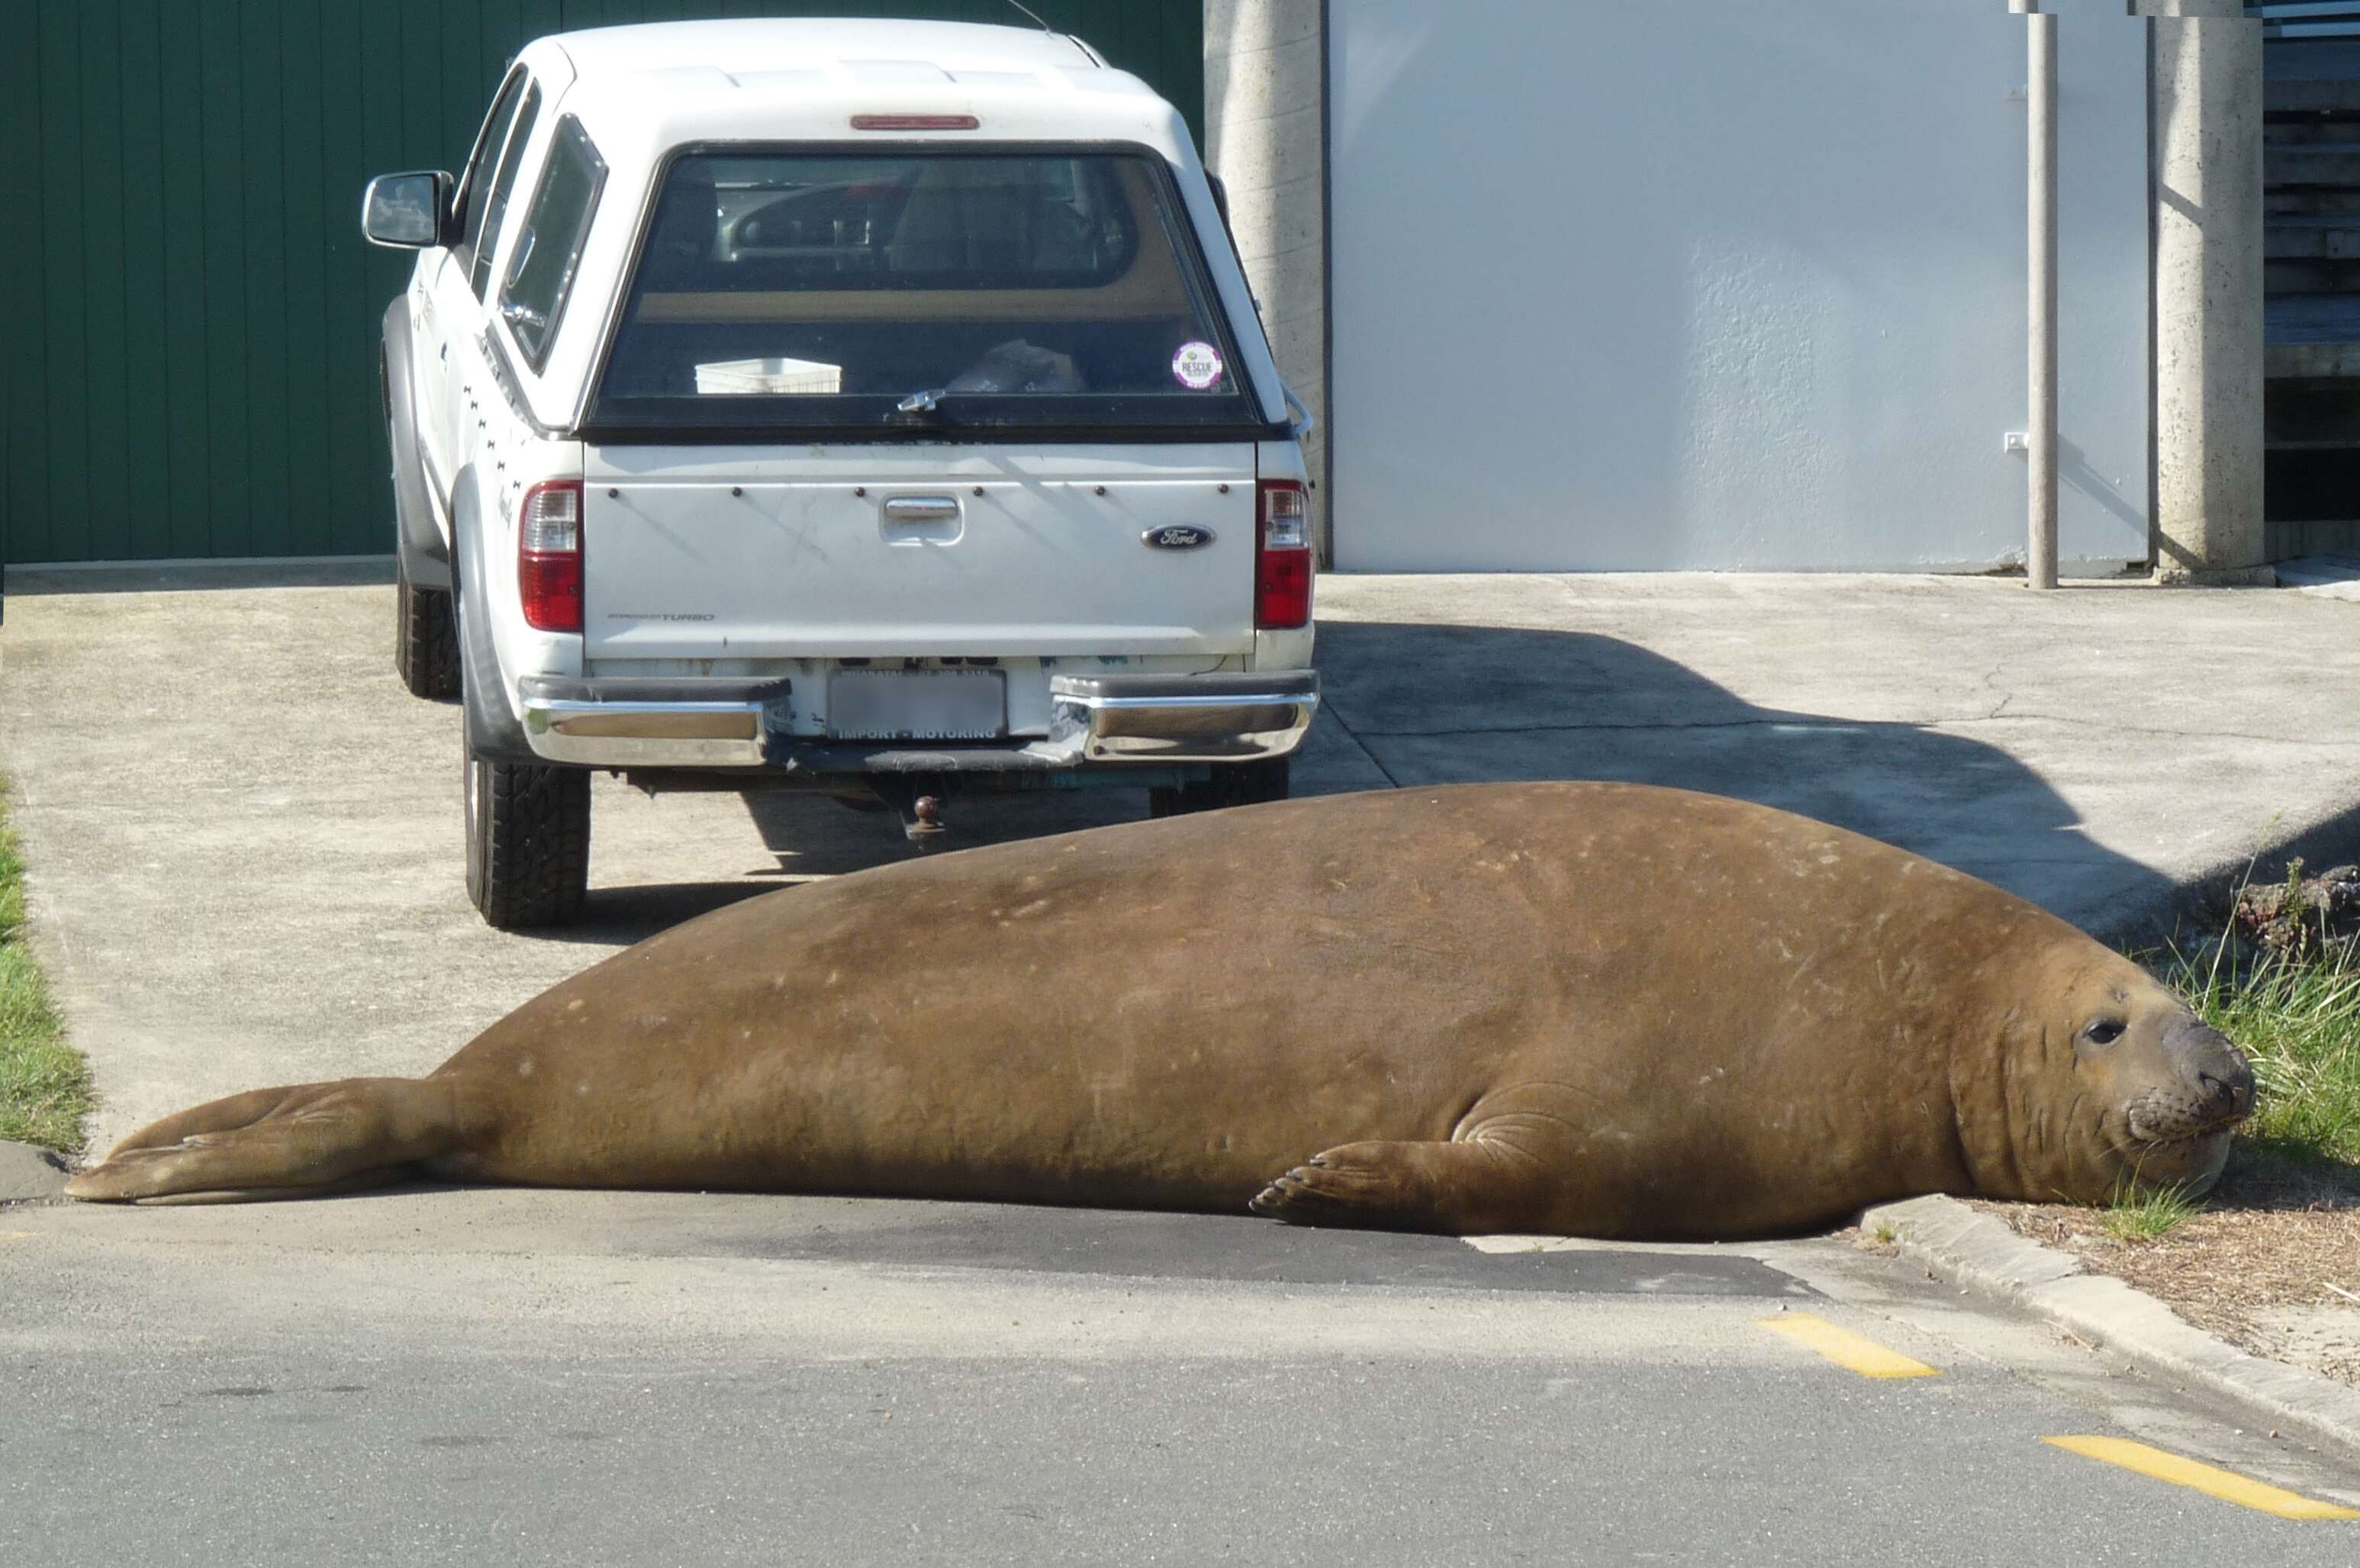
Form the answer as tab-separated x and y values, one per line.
244	846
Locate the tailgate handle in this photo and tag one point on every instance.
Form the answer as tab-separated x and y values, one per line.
922	508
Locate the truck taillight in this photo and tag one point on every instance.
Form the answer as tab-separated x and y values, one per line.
549	556
1283	558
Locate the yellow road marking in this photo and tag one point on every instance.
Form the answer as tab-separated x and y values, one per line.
1845	1348
2225	1485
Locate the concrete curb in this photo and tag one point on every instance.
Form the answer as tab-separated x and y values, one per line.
1983	1254
30	1175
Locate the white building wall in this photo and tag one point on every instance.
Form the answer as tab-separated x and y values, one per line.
1723	284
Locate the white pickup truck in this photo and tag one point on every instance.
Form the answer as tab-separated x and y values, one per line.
875	407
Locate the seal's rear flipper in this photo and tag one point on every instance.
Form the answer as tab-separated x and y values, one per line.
304	1141
1465	1188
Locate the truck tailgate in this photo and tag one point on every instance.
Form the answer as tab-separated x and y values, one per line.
917	551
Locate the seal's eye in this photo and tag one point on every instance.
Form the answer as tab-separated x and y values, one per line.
2103	1031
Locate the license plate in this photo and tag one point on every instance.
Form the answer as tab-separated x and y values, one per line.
917	705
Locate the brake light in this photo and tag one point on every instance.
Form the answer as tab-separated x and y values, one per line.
915	123
549	556
1283	558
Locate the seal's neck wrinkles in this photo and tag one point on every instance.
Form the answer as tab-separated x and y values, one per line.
2003	1139
2024	1124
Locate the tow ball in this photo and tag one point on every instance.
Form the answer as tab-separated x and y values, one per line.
919	798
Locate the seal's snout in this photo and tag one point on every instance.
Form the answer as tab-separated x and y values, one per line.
2223	1078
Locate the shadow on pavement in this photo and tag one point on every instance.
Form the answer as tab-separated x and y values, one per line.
811	836
629	914
1436	704
2265	1175
815	836
1443	704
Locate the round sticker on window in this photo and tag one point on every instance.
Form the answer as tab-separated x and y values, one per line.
1197	365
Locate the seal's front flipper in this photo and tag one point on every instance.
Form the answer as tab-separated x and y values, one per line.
304	1141
1466	1188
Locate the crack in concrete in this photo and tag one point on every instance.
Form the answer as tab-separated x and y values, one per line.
2153	730
1991	682
1552	729
1354	737
1361	738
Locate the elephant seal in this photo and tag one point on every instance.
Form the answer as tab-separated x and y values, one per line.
1599	1009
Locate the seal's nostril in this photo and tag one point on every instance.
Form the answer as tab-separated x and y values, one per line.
2235	1086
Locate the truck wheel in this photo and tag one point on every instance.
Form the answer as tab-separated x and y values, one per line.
1236	784
528	841
425	641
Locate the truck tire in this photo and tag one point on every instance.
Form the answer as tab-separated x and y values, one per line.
528	841
1235	784
425	640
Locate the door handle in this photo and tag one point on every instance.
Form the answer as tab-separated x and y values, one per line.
921	508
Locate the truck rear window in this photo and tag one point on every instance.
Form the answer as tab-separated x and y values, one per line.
919	291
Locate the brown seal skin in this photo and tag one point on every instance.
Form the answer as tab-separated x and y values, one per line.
1583	1009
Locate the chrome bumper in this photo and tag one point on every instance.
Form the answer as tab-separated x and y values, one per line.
1222	717
648	724
1116	719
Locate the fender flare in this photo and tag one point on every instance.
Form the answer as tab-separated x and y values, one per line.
495	733
425	557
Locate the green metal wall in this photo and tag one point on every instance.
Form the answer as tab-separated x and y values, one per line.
190	314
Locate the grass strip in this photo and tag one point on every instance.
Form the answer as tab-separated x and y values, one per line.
2298	1021
44	1081
2148	1213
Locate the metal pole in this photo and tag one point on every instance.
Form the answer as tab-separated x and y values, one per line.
2040	557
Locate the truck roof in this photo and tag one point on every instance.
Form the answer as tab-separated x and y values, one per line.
667	83
817	44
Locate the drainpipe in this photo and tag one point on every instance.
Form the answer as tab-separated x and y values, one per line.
2207	107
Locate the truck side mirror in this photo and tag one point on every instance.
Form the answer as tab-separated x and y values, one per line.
406	212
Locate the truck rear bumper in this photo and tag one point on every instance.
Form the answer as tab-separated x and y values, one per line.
1098	720
1222	717
648	724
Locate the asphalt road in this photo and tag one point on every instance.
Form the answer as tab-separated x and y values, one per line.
524	1377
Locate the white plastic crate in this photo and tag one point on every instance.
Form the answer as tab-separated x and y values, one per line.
769	377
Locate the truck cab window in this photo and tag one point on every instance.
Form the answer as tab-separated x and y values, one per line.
489	142
495	200
550	248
